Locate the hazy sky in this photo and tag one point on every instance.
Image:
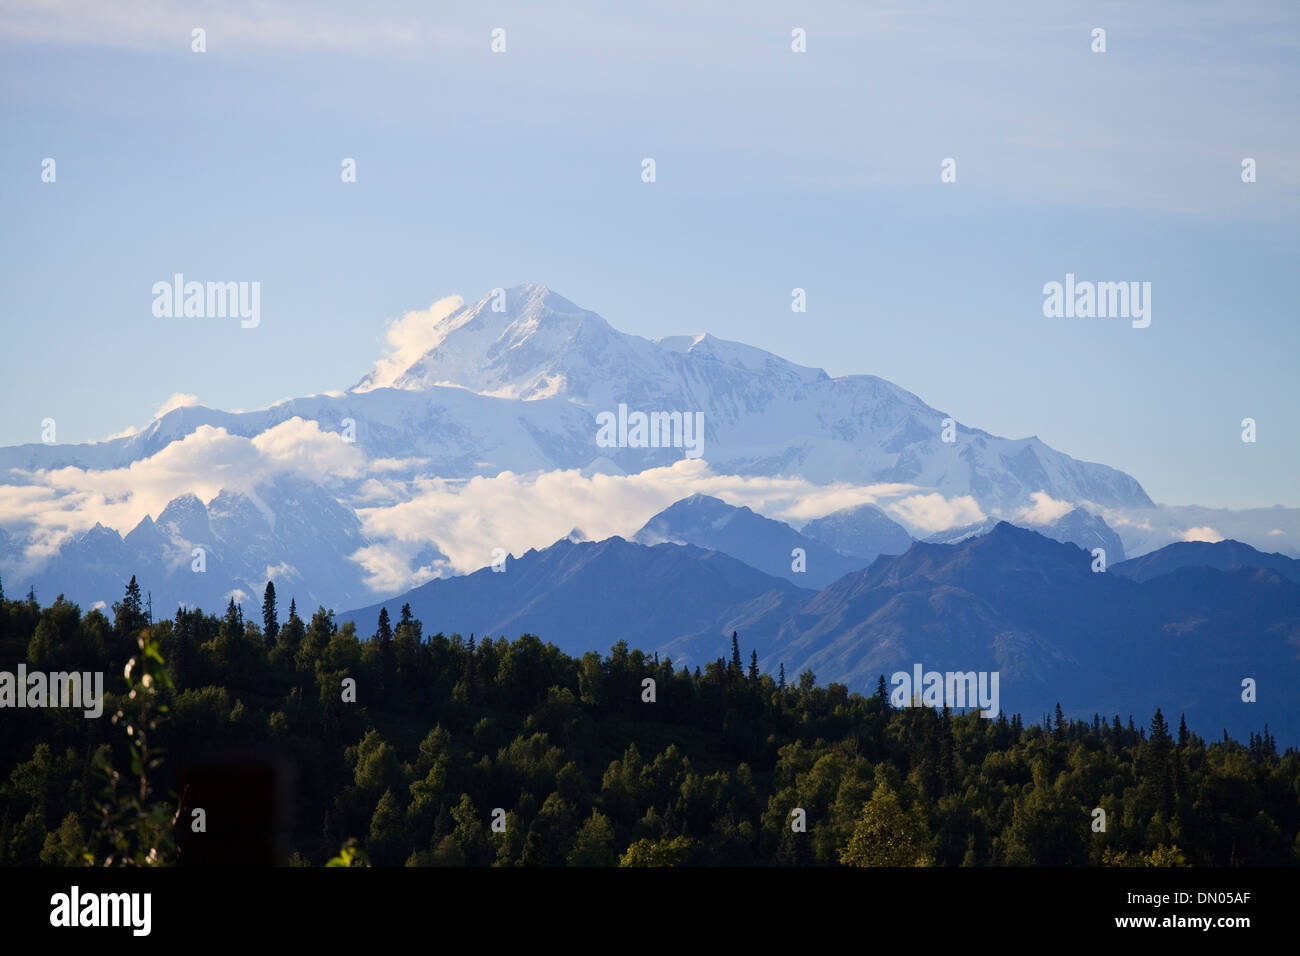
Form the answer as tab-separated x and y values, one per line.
775	170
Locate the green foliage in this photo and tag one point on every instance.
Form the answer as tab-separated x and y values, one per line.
349	855
1161	856
886	834
594	844
674	852
446	730
136	828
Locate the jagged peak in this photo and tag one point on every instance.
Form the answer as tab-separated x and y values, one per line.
184	502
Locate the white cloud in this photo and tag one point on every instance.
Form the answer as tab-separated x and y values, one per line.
1204	533
1044	510
60	502
299	445
408	338
467	519
933	512
1117	519
177	400
277	572
464	519
388	566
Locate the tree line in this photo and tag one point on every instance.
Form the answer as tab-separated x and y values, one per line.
454	751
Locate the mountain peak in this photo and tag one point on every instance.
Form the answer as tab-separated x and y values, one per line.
507	344
761	542
863	531
1225	555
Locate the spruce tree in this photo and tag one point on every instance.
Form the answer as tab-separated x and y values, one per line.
406	619
1058	728
128	613
270	618
1157	769
1159	728
387	657
293	630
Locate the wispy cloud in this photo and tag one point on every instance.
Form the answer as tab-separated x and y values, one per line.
408	338
177	400
1044	510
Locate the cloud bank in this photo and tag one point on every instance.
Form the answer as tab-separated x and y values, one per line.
468	519
52	504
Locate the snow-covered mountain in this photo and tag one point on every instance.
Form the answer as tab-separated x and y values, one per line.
514	384
295	533
762	414
863	531
519	390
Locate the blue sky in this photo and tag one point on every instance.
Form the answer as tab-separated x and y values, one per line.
775	170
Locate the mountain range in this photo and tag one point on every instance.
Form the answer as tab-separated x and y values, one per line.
771	546
519	388
289	529
1224	555
1078	526
347	497
1011	601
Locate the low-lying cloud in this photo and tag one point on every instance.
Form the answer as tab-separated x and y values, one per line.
1044	510
52	504
468	519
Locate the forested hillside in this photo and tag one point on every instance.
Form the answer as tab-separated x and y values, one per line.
445	730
